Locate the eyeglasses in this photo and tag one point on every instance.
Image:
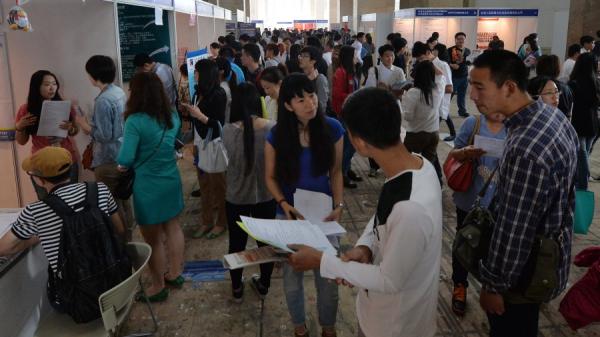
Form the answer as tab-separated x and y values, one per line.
551	93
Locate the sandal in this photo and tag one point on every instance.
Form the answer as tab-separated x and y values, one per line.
161	296
176	282
212	235
203	230
304	334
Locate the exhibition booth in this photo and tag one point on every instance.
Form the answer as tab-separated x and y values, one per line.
310	24
166	29
376	24
480	25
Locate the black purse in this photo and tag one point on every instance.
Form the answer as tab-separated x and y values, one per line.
124	188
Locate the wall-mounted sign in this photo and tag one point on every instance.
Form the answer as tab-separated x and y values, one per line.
138	33
368	17
204	9
445	12
501	12
228	15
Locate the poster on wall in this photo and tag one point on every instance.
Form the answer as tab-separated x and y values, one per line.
486	30
7	117
406	28
192	58
138	33
431	25
247	28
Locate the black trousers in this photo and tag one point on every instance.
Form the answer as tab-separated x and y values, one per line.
238	238
518	320
459	273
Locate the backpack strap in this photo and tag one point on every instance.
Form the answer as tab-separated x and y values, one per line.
91	194
58	205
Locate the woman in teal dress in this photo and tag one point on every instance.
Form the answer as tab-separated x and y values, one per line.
151	128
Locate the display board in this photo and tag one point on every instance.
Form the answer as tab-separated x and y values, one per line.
192	58
138	33
247	28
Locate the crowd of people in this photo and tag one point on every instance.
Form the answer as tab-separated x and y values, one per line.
292	109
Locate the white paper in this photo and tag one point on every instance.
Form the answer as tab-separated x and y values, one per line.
281	233
493	147
54	113
158	16
314	206
252	257
331	228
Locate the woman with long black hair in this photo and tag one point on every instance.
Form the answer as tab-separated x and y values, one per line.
304	151
586	100
44	86
420	110
208	113
247	194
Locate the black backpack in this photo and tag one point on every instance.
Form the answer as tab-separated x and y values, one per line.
91	260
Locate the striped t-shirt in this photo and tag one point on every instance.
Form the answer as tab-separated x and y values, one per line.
39	219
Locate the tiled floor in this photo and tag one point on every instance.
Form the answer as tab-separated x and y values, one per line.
206	310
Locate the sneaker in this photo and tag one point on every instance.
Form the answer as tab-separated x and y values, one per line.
459	299
238	294
258	287
196	193
449	138
372	173
353	176
348	183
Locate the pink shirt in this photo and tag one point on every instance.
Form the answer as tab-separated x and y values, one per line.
40	142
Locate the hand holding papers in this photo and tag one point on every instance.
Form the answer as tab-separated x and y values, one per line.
254	256
281	233
53	115
492	147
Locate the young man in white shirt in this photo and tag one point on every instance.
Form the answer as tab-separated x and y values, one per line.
358	46
396	261
438	50
587	44
327	55
386	73
567	68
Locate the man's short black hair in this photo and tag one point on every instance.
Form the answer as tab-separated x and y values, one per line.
245	37
459	34
420	49
360	35
399	43
59	178
227	52
101	68
221	40
373	115
215	45
574	49
384	48
140	59
314	41
313	52
586	39
504	66
252	50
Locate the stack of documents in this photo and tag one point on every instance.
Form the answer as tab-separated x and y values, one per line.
281	233
254	256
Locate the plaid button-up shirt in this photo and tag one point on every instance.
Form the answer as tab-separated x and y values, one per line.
535	194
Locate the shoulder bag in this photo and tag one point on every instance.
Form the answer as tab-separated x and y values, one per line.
212	155
124	188
460	174
88	156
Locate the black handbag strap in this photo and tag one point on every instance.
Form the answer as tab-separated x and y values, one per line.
485	187
475	130
155	149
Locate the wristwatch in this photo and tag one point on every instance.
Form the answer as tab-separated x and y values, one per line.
340	205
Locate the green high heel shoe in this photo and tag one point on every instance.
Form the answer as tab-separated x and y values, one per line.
176	282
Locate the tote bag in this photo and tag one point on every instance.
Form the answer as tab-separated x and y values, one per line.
584	211
212	155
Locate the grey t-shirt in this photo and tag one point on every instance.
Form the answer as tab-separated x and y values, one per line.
322	88
165	73
242	188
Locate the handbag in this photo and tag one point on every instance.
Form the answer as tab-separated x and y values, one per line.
124	188
460	174
212	155
584	211
88	156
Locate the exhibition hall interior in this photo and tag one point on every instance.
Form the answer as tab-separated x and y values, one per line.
250	168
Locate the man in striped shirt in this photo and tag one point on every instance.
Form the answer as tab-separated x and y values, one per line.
535	194
50	167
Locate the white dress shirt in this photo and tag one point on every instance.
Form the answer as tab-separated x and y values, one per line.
387	76
445	105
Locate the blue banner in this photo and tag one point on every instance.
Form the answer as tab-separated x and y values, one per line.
445	12
190	59
495	12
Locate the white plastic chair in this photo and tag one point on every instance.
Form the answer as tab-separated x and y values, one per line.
115	305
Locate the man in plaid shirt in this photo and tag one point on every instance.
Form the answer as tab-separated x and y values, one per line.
535	193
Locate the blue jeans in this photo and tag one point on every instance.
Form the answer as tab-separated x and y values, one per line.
583	165
327	297
347	155
460	87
